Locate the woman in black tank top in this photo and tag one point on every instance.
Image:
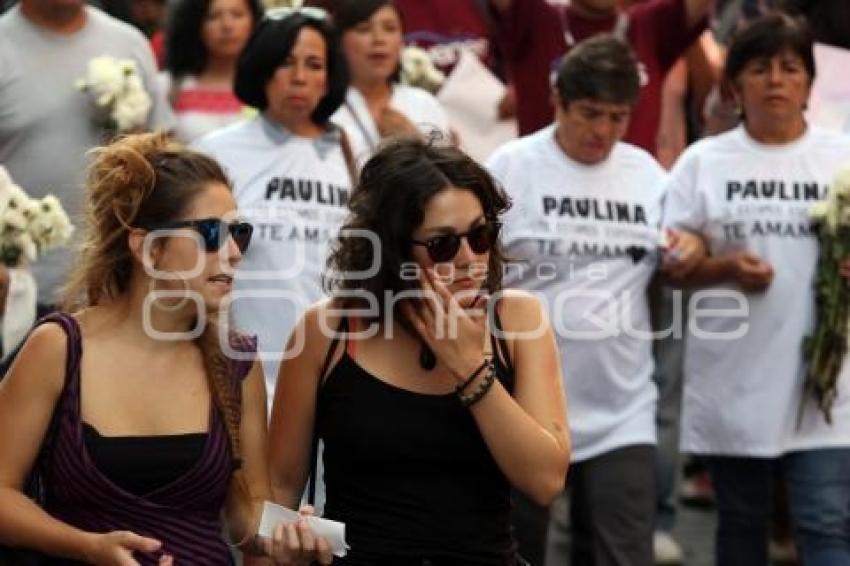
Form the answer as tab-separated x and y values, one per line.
433	390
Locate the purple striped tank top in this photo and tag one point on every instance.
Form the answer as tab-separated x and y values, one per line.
184	515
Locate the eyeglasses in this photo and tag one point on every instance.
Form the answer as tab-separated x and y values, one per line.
284	12
214	232
444	247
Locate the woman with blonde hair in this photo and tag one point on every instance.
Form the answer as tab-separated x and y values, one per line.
161	425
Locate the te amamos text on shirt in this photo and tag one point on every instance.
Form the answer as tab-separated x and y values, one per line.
743	230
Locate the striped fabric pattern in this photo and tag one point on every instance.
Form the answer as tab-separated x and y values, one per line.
184	515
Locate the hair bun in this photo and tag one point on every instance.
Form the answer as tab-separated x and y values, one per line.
123	173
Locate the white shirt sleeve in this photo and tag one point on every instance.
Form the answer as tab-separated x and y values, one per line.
684	208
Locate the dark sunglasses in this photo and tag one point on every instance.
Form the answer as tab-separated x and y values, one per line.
444	247
214	232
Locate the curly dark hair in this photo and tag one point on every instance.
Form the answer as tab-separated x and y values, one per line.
389	201
185	52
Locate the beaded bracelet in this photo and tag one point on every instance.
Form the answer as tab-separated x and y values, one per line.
459	389
483	388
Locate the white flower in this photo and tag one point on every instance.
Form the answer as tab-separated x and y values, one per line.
16	199
118	91
105	76
28	226
131	111
128	67
133	84
12	222
841	183
417	69
51	227
834	212
25	243
819	211
31	210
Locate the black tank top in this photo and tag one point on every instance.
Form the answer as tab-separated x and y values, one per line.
143	464
409	473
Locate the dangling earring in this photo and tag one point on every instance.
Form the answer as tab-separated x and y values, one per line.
184	299
427	359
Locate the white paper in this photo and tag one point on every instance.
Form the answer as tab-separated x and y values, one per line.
829	103
331	531
471	96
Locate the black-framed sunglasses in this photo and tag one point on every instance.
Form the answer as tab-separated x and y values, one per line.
444	247
214	231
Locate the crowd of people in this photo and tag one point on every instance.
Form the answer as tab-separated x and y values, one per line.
293	285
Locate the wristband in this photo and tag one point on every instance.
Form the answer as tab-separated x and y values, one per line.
483	388
459	389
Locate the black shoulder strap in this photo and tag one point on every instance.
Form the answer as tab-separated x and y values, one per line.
314	451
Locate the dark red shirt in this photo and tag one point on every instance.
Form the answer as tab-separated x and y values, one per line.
535	35
443	27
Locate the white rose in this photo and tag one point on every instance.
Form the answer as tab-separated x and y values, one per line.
132	111
819	211
17	199
12	223
417	69
133	84
25	243
105	76
51	227
841	183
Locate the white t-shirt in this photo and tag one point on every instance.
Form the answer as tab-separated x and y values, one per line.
742	392
417	105
295	192
589	235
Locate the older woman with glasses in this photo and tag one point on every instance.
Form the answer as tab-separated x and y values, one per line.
437	391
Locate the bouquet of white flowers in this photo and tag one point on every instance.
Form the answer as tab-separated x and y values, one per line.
120	100
418	70
825	350
28	226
